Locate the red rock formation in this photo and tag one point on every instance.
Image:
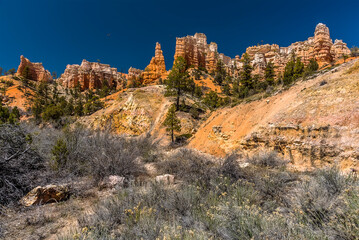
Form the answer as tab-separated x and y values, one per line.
194	49
90	76
319	47
339	49
134	77
322	44
36	71
156	68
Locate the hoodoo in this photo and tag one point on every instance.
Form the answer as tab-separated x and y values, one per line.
156	68
90	75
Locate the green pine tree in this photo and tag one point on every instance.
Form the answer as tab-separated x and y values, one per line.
179	81
246	79
269	74
171	122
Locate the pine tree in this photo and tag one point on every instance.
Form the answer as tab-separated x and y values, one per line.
26	72
11	71
312	66
298	69
236	87
289	71
198	91
178	81
220	73
171	122
246	74
269	74
226	88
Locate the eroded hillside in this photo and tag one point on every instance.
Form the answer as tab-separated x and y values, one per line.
313	123
137	112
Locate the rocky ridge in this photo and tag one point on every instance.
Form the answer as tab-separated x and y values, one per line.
199	54
320	47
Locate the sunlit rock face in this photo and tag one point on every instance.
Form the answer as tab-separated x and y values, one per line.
339	49
156	68
322	44
36	71
134	77
319	47
90	75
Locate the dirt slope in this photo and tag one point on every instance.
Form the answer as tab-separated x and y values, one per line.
14	95
314	122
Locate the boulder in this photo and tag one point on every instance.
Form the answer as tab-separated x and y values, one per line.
166	179
43	195
112	182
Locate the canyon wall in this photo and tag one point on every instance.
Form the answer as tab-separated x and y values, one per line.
90	75
36	71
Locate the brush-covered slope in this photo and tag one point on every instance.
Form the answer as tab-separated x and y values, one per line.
313	123
138	111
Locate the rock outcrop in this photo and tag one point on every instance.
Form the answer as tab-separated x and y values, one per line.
199	54
320	47
35	71
134	77
156	68
112	182
91	75
48	194
339	49
166	179
322	44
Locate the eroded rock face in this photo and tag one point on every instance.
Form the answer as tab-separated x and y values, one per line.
42	195
197	53
156	68
339	49
134	77
91	75
320	47
322	44
36	71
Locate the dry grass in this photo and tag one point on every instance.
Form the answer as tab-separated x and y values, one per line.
354	68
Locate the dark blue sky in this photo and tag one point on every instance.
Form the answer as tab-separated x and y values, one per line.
123	33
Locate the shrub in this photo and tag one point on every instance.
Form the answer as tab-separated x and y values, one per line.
267	159
319	198
83	152
20	165
230	168
188	165
52	112
60	153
